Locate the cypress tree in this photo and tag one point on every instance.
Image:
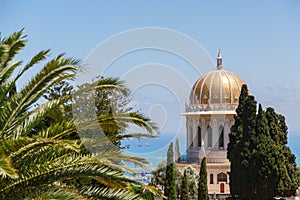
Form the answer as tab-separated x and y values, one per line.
202	184
241	147
170	183
234	147
286	160
278	130
264	162
262	165
184	187
177	153
245	170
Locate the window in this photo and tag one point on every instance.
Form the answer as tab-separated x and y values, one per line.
211	179
222	177
199	137
221	137
209	136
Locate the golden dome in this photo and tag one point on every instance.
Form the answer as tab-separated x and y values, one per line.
217	87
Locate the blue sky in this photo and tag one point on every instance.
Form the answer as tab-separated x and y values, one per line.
259	39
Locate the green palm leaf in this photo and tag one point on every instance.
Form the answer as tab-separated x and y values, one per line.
6	169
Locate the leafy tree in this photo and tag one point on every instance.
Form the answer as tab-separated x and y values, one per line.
110	104
193	177
184	187
36	160
170	182
202	184
59	90
159	177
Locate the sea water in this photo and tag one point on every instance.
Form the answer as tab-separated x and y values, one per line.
155	150
294	144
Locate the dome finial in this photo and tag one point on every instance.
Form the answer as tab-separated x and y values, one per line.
219	60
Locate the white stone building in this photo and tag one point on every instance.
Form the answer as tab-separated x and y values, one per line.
209	116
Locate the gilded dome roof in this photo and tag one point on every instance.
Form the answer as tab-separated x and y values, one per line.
217	87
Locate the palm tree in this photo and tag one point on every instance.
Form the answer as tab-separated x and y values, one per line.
36	160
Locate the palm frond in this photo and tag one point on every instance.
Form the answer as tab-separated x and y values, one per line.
47	194
71	167
36	59
62	129
6	72
9	47
54	71
33	118
123	119
106	193
25	145
6	169
103	84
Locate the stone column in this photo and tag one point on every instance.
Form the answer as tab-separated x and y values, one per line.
215	134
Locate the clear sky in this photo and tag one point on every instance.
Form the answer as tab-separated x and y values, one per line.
259	39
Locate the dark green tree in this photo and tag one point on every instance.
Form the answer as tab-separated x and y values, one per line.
184	187
202	184
262	165
263	159
298	174
234	147
286	160
278	128
247	147
170	183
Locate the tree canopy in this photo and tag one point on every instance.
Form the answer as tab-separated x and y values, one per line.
262	165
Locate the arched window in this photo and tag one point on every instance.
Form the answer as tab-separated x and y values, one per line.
211	179
221	137
222	177
199	136
209	136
